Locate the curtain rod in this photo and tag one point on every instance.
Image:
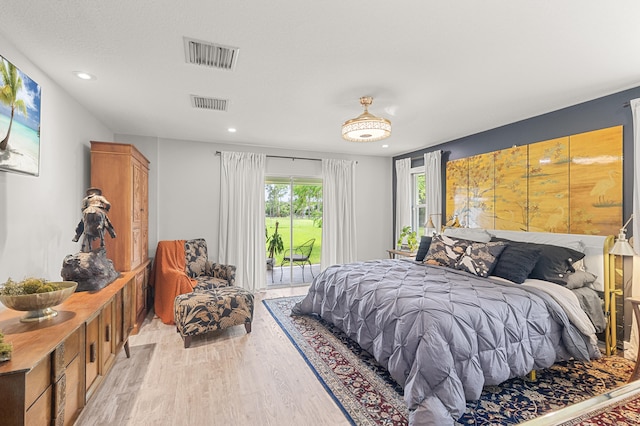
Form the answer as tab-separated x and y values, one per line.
294	158
422	155
286	157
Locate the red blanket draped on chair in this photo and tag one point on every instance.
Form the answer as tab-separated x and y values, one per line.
169	278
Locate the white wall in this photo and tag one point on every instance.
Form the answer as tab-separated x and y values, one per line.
184	190
38	215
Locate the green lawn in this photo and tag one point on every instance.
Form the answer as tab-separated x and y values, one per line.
304	230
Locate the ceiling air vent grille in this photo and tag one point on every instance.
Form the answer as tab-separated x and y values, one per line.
209	103
210	54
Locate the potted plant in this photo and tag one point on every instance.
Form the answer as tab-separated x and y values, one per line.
274	246
407	240
5	349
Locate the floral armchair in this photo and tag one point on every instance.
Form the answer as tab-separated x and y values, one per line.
183	267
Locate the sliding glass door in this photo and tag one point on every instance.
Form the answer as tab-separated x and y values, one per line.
293	223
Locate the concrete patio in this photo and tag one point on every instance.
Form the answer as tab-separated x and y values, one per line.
273	277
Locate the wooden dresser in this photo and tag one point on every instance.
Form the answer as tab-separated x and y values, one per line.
122	173
57	364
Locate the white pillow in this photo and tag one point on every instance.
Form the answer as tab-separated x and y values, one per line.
478	235
562	240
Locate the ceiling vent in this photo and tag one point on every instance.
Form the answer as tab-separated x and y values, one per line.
214	104
210	54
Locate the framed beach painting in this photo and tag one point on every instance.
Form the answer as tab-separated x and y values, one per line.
19	121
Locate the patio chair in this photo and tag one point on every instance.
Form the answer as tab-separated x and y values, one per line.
299	255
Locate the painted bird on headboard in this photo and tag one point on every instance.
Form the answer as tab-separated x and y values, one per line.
601	187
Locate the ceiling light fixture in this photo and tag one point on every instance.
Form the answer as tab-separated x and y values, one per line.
84	75
231	130
366	127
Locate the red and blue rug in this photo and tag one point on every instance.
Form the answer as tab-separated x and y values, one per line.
369	396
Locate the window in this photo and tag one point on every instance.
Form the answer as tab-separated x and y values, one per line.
418	200
293	207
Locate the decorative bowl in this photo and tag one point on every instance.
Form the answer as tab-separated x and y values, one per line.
39	305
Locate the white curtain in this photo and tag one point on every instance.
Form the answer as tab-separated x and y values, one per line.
433	186
635	223
339	212
635	110
403	194
242	240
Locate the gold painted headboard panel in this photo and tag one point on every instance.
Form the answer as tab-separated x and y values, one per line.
567	185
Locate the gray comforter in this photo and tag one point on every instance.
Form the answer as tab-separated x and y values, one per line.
441	333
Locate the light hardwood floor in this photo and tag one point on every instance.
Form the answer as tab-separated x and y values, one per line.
227	377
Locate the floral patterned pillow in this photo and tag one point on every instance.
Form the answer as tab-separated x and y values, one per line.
480	258
445	251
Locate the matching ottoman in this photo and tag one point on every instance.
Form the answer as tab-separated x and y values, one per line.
202	311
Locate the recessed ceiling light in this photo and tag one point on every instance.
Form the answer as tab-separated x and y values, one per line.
231	130
84	75
385	146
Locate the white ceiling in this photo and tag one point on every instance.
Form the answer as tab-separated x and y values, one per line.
438	70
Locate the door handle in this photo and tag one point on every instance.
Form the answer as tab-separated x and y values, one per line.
92	352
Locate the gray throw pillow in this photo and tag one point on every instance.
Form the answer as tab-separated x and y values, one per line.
579	279
516	262
423	249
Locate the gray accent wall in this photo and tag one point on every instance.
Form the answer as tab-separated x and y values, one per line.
608	111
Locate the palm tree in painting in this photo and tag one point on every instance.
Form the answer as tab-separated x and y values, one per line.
11	84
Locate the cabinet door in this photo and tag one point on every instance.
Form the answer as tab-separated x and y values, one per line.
38	395
144	216
140	297
128	309
139	212
108	345
92	353
139	190
40	412
144	242
37	380
68	389
118	331
12	395
74	391
136	247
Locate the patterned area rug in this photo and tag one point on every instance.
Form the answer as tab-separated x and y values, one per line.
369	396
624	412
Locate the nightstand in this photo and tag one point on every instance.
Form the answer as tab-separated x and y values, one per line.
400	253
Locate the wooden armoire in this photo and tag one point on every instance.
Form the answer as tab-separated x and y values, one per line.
122	173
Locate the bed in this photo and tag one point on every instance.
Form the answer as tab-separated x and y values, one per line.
443	330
